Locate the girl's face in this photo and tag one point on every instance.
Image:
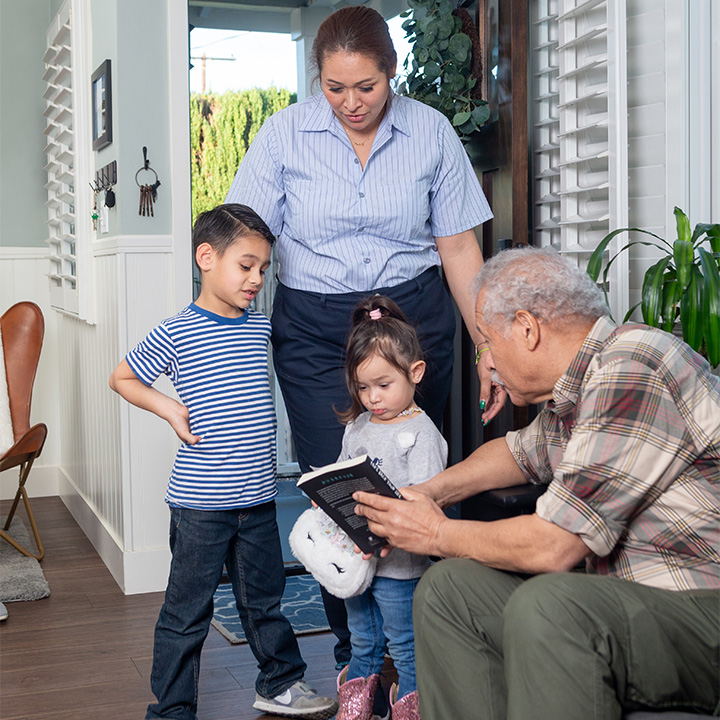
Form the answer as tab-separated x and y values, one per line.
356	89
384	390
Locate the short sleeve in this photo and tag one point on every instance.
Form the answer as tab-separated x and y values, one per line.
625	451
154	356
457	202
259	181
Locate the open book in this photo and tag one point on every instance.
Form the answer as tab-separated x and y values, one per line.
332	487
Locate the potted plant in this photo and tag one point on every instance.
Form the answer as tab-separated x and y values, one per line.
446	63
684	285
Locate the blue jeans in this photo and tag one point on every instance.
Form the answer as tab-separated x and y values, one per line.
247	542
383	611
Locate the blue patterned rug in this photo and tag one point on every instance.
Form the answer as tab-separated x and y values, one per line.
301	604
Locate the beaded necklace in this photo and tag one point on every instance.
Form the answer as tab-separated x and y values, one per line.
409	411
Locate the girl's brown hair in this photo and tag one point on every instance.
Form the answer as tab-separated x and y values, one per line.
357	30
391	336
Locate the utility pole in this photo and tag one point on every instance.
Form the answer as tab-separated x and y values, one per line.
204	59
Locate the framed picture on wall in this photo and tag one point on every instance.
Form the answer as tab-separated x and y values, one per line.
101	90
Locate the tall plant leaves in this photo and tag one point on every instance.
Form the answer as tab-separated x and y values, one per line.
652	292
711	305
680	277
683	255
683	225
690	303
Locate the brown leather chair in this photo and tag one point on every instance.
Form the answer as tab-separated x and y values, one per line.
23	327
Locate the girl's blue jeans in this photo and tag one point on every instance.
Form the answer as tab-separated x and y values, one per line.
247	542
383	611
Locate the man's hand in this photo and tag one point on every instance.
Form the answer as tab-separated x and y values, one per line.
412	524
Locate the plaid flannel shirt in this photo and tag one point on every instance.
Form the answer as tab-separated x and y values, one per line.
629	446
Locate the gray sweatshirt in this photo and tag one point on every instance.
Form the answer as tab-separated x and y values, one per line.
408	452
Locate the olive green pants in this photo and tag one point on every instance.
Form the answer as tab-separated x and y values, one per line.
493	645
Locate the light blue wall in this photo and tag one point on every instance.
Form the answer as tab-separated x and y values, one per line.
133	35
23	24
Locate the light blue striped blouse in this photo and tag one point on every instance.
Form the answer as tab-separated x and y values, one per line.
218	366
341	228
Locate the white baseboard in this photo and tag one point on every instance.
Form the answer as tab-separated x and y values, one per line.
135	572
44	481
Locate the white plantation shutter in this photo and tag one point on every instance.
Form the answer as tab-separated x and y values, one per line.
68	156
580	129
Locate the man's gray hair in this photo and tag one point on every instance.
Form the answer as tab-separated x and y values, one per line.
540	281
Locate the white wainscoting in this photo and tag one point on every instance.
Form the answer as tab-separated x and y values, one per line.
109	462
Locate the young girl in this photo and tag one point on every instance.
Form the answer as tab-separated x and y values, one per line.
383	366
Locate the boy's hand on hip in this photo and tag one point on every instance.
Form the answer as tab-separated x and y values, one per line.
179	420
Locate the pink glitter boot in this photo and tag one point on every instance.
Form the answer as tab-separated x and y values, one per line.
355	697
407	707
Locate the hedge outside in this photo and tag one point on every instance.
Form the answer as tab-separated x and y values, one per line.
221	130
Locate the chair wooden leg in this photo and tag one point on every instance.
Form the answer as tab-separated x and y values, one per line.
22	493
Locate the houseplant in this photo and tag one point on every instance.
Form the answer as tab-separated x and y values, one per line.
684	285
446	63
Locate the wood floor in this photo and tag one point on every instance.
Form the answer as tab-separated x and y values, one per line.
86	651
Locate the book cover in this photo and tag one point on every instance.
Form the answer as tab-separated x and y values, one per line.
332	487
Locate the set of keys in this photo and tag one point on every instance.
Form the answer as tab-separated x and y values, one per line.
148	194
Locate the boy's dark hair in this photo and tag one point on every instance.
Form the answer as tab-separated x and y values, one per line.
221	227
391	336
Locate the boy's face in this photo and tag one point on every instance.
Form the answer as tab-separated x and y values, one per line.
231	281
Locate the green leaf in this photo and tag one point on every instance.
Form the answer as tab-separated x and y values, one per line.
683	255
652	291
445	27
432	71
480	114
711	305
460	47
690	303
671	295
714	236
460	118
683	225
595	263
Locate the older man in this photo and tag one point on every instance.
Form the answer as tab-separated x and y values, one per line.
628	445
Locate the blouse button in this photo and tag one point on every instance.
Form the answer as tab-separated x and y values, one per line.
366	260
362	195
357	162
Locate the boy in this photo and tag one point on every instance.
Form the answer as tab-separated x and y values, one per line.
222	487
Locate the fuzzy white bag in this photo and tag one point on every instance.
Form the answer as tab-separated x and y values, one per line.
7	438
328	553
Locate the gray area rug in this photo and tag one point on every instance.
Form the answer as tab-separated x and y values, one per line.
21	577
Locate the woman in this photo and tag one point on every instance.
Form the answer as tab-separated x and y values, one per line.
367	192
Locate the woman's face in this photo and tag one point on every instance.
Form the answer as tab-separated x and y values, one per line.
356	89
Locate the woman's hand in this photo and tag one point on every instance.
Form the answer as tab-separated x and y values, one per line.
492	394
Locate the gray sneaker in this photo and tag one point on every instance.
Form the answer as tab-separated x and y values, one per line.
298	701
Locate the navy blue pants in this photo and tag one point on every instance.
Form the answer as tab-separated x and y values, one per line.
310	332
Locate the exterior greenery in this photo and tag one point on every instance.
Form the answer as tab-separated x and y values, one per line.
221	130
443	69
683	285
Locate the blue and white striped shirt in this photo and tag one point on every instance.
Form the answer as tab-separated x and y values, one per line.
341	228
218	366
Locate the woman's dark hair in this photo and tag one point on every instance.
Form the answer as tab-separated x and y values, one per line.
391	336
221	227
357	30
